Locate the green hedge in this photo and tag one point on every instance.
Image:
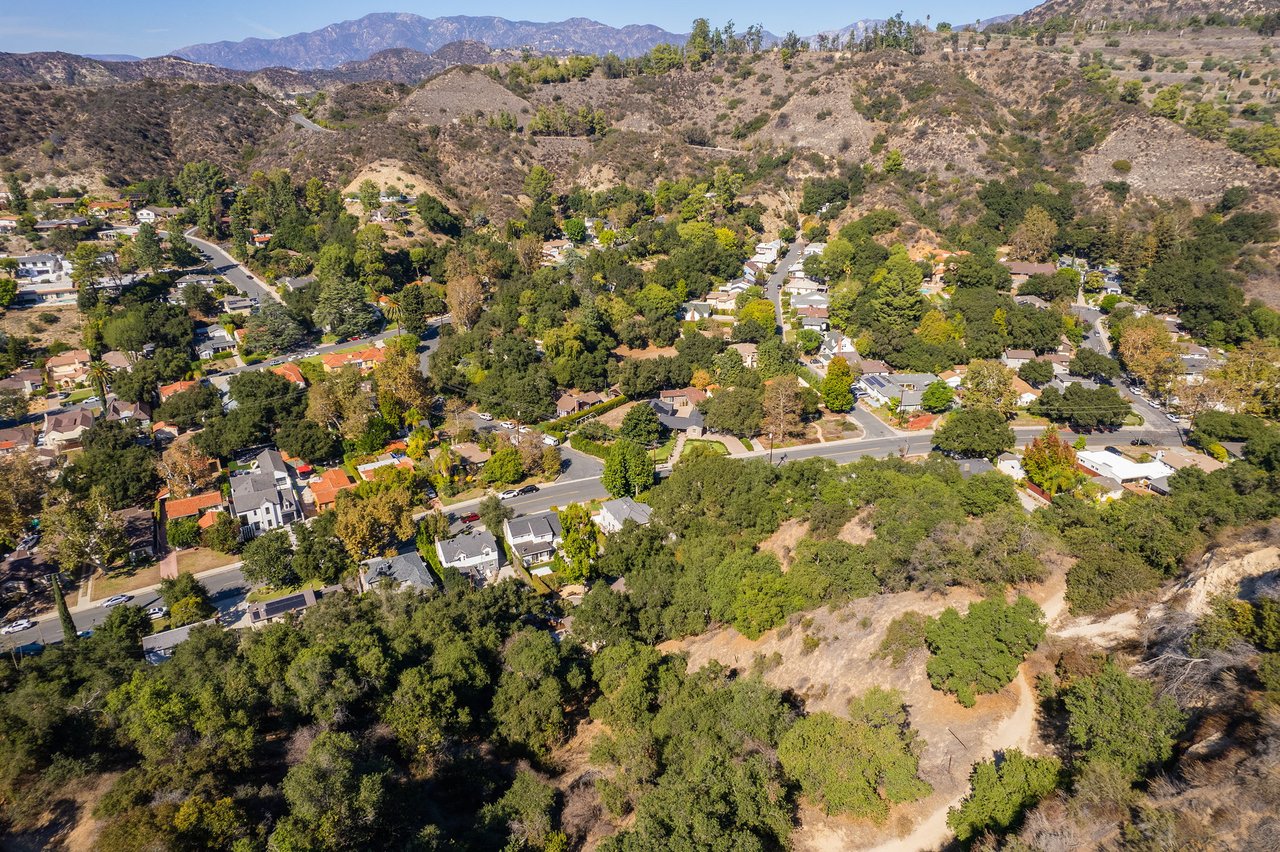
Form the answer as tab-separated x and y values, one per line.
586	445
600	408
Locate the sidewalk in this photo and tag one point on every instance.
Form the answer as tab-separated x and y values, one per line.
84	605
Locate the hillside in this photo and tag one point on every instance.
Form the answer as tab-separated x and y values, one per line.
1142	10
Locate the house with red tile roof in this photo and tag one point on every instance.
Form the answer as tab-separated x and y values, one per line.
195	505
324	492
291	372
363	359
174	389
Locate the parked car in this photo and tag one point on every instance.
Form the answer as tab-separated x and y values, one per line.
469	518
507	424
508	494
1173	418
17	626
1141	442
524	430
528	489
485	416
157	612
550	440
116	600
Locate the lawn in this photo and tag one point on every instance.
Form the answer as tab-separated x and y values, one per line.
713	447
125	580
81	395
663	453
266	593
200	559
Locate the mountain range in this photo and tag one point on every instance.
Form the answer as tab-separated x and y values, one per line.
350	41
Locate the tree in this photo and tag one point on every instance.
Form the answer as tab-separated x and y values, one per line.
1148	351
782	408
641	425
1091	364
897	303
338	797
197	299
1167	103
1083	408
100	376
859	766
628	470
268	559
69	633
537	185
989	384
318	552
999	793
493	512
1033	239
273	329
1117	719
81	535
375	524
980	652
1036	372
465	297
837	387
342	310
223	535
503	467
1050	463
761	311
182	533
187	599
973	433
436	217
937	397
369	195
581	544
147	250
551	462
529	705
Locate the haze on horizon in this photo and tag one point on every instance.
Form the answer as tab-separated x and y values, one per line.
153	28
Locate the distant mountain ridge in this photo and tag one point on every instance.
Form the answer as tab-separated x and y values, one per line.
353	41
1136	10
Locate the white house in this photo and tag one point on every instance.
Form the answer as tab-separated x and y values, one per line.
1108	463
907	388
474	553
534	538
265	498
615	513
1010	465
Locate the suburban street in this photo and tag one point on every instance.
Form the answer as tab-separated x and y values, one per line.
228	267
773	289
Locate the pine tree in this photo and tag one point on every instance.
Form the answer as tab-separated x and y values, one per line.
64	614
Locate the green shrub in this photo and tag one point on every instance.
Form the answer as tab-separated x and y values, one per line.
980	651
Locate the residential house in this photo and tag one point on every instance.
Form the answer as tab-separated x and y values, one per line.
1026	393
211	340
683	397
1011	465
198	506
109	208
750	353
754	272
38	266
767	253
907	388
1109	488
117	361
800	283
292	372
368	470
324	488
175	388
974	467
475	554
811	300
9	223
955	376
127	412
362	359
17	438
279	608
62	224
534	538
240	305
139	533
695	311
736	286
615	513
870	367
1031	302
814	248
159	647
1061	362
836	345
63	430
24	381
164	432
1112	288
1015	358
556	252
573	402
387	215
264	498
405	570
721	301
1121	468
686	419
151	215
1020	271
67	370
62	201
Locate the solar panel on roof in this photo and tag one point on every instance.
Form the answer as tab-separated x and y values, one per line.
279	606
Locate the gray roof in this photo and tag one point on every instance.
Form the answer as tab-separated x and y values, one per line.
896	384
668	417
973	467
543	525
406	567
625	509
250	490
158	647
467	545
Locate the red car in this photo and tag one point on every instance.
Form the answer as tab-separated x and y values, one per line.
470	518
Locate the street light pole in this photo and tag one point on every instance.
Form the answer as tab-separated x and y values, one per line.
770	449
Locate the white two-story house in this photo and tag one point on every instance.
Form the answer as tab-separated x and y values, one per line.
534	538
265	498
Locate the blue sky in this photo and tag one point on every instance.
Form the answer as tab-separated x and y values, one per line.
150	28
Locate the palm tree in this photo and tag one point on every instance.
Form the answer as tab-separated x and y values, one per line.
393	311
100	374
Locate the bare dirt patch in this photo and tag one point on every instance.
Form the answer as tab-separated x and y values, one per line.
68	825
858	530
44	324
783	542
